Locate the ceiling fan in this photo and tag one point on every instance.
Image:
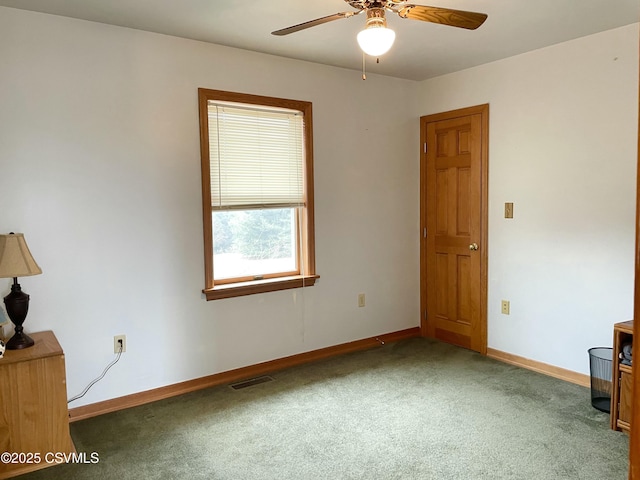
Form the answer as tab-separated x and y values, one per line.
376	39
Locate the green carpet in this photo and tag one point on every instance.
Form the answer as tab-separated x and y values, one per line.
416	409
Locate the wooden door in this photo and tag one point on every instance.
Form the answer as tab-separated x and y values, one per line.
454	220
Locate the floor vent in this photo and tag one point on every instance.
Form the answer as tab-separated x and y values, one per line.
251	383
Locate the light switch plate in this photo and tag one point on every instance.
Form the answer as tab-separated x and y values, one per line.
361	300
508	210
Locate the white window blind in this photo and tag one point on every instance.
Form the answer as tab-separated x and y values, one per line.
256	157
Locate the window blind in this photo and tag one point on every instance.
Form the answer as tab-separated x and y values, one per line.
256	157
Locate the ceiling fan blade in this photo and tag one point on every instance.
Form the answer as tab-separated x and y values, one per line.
443	16
313	23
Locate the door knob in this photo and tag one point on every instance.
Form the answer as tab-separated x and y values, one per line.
473	246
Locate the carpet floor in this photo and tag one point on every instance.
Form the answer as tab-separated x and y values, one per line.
416	409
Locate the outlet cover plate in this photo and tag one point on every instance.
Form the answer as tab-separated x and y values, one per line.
505	307
116	345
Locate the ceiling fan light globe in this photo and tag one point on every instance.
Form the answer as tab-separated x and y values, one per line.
376	41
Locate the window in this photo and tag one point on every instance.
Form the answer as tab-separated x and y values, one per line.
257	192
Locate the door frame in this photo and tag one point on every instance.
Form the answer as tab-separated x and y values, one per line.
634	447
483	110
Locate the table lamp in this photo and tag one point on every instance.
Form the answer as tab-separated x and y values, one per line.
16	261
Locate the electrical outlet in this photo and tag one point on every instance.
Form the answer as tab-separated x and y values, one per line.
116	343
505	307
361	299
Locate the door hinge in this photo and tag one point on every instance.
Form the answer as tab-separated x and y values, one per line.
424	232
425	147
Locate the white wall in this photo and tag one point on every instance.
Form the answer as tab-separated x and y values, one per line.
563	140
100	169
99	150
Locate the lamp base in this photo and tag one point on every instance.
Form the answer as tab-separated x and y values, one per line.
19	341
17	304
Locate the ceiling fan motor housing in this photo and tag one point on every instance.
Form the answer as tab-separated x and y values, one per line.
376	18
366	4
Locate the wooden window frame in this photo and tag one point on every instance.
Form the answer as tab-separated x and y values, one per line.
306	243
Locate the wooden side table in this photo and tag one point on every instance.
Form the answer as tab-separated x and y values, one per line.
622	379
34	417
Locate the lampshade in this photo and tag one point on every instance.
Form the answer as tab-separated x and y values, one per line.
376	40
15	258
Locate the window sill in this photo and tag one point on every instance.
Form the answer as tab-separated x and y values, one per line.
259	286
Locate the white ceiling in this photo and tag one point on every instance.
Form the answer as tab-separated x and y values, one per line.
422	50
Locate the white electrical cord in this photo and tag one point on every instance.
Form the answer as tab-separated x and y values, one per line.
72	399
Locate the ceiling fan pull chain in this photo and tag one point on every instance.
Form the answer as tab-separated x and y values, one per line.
364	75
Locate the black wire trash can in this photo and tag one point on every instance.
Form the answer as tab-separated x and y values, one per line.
600	361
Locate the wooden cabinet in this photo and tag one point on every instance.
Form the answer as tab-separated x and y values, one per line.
622	380
34	417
